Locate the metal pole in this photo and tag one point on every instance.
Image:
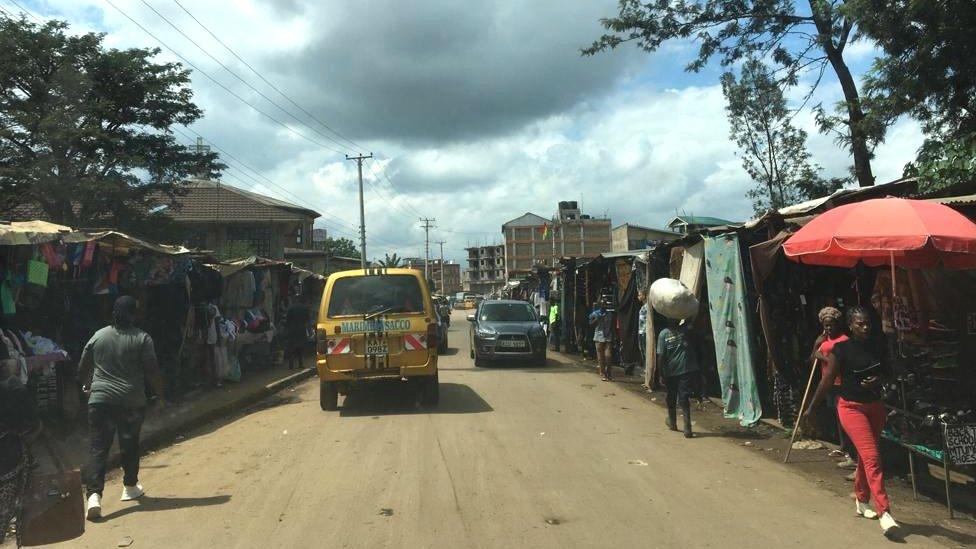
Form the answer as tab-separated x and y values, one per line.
904	406
945	465
362	208
427	226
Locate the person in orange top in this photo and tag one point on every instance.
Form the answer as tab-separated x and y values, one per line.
832	321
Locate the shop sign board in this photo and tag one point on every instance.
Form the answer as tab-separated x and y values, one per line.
960	443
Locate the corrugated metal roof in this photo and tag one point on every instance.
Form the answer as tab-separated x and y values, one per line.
964	200
699	220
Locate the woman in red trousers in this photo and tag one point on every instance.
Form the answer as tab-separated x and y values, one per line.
861	411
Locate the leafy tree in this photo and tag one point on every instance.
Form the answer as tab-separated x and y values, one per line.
342	247
235	250
391	261
796	41
84	129
928	71
774	150
943	164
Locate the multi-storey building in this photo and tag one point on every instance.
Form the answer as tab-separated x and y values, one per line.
486	269
532	240
635	237
452	273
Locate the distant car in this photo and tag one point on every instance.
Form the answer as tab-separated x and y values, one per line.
506	330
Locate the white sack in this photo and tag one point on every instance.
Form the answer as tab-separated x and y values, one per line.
672	299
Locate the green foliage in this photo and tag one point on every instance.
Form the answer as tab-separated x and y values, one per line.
928	71
796	42
391	261
774	151
929	66
342	247
84	129
944	164
235	250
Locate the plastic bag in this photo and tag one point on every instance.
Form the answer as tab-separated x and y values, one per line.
673	299
37	273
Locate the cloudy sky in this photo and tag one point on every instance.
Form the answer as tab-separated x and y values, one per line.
476	112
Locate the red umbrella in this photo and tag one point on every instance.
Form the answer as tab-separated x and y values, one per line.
897	231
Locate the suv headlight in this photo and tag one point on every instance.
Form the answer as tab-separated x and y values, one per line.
487	333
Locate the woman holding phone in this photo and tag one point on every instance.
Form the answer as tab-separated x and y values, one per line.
862	414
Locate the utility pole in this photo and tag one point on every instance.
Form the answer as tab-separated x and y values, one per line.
427	226
442	242
362	208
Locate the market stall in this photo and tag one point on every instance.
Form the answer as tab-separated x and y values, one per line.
252	305
57	287
924	254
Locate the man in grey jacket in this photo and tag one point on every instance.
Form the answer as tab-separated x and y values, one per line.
115	366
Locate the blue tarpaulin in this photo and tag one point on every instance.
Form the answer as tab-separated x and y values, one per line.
729	313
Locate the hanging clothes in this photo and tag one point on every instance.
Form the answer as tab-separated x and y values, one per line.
628	309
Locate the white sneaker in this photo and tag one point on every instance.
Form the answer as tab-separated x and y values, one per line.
888	525
130	493
864	509
94	507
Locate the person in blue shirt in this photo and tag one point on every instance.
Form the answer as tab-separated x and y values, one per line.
678	363
601	320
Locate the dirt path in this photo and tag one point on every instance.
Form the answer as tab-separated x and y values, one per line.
513	457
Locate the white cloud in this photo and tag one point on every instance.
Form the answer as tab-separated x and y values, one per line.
474	126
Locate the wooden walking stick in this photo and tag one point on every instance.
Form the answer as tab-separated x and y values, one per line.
803	406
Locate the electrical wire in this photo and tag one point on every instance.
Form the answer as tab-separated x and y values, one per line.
220	84
245	82
26	11
355	145
228	90
373	166
261	179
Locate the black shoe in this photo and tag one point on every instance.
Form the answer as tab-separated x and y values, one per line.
671	424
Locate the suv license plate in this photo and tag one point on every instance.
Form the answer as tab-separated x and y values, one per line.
511	343
377	349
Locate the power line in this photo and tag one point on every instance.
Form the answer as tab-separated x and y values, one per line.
26	11
266	81
427	226
341	225
362	204
241	79
238	77
220	84
338	222
251	181
217	82
278	90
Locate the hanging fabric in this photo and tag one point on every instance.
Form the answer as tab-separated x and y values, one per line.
731	328
691	265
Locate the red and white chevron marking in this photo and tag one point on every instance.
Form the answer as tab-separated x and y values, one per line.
414	343
341	346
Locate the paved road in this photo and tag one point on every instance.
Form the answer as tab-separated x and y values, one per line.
513	458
